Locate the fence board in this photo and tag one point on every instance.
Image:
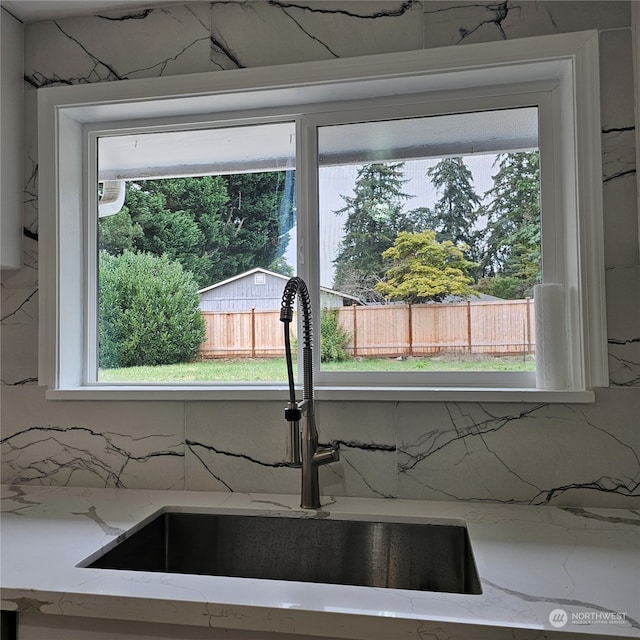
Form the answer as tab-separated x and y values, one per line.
496	328
243	334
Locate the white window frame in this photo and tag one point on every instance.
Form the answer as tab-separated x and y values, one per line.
559	72
496	98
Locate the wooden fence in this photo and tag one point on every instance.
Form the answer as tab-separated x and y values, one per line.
496	328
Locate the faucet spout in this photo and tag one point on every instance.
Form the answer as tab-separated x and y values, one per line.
303	447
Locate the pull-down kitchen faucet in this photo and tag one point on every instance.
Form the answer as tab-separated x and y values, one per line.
303	447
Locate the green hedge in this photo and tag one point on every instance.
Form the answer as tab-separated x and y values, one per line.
148	311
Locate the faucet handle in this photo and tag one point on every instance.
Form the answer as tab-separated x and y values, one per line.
326	455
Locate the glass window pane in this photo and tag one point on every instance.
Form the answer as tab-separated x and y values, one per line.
192	263
430	242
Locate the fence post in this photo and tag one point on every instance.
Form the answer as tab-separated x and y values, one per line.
355	331
469	325
253	332
529	325
410	327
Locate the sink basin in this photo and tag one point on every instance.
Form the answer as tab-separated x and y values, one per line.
425	557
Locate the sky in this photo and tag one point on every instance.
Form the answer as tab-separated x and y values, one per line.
337	181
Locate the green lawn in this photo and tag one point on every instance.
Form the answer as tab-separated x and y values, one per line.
274	369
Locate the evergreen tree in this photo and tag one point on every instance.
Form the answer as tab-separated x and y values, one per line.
423	269
455	214
118	233
156	229
205	202
513	245
262	209
374	216
215	226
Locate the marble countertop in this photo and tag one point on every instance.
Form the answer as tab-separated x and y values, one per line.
531	561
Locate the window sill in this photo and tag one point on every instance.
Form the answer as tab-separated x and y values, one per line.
344	394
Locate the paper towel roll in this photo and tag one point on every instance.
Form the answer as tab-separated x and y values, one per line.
551	343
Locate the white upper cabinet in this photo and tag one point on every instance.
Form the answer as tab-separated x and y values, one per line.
11	139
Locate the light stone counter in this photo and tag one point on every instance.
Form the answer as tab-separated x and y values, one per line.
531	561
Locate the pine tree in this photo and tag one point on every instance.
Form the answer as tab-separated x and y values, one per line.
374	217
513	244
455	214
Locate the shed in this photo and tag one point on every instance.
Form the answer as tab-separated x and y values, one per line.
261	289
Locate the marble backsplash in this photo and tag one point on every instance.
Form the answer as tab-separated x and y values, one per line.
562	454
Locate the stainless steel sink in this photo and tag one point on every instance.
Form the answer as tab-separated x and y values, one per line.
426	557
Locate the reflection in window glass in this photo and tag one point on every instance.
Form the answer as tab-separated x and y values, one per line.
430	242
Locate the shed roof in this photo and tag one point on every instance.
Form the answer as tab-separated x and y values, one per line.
284	279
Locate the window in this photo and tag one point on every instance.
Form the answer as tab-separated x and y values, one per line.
215	208
316	129
414	175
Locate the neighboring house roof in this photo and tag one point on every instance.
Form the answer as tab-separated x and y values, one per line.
284	279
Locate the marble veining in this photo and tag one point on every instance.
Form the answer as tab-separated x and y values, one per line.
206	455
478	452
633	519
618	158
448	23
560	602
20	307
54	455
92	514
17	496
622	319
87	52
489	15
578	457
531	561
627	370
525	454
311	30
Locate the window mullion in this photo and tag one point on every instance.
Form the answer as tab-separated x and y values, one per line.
308	222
